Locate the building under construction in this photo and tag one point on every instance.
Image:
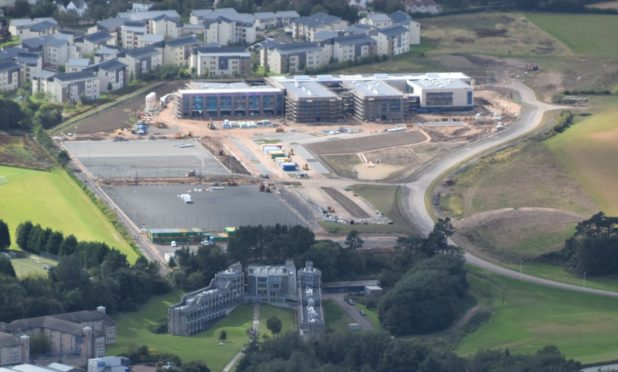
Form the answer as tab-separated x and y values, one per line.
329	98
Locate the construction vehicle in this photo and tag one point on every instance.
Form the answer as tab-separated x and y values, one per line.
306	167
279	130
330	209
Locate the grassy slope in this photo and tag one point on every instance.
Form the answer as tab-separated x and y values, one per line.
585	34
588	150
287	317
132	328
384	199
527	317
54	200
336	319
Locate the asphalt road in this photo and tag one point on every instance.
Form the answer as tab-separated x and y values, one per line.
417	211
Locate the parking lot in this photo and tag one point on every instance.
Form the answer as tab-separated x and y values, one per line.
148	158
159	206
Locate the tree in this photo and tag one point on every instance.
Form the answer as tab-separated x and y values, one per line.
68	246
23	231
223	335
274	325
353	241
21	9
5	237
39	344
6	267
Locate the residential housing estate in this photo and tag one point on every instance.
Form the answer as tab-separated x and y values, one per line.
70	67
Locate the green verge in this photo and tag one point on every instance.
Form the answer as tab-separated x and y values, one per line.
528	317
54	200
133	328
557	273
334	316
287	317
588	151
585	34
32	266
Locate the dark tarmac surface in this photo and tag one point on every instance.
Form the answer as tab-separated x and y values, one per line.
158	206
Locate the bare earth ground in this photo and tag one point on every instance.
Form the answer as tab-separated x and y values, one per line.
605	5
515	234
22	151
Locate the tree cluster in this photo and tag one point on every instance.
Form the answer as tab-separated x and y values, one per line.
270	244
369	352
13	117
195	270
594	247
163	361
429	297
88	274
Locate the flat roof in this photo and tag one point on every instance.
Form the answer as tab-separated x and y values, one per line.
439	83
353	283
308	89
365	77
230	88
374	88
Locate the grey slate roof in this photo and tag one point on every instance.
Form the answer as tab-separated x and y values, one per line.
297	47
354	40
400	17
82	62
42	26
110	24
97	37
48	322
141	52
111	65
8	340
318	19
378	17
182	41
393	30
85	74
85	315
208	49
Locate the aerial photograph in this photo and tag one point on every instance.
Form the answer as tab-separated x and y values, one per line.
308	186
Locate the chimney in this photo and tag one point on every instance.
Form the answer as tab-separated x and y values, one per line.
101	309
25	348
88	344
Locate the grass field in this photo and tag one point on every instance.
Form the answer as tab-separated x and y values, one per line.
525	176
287	317
384	199
527	317
132	328
557	273
588	150
585	34
54	200
336	319
32	266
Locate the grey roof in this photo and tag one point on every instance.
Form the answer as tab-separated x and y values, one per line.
43	74
281	14
378	17
110	24
82	62
49	322
153	38
182	41
111	65
354	39
358	28
221	50
149	14
399	17
227	13
85	74
318	19
97	37
84	316
306	89
142	52
325	35
374	88
42	26
297	47
393	30
30	21
8	340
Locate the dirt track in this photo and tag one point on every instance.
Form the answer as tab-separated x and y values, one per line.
346	203
368	143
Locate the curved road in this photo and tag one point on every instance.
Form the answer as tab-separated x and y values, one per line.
416	210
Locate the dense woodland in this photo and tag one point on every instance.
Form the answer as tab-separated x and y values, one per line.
368	352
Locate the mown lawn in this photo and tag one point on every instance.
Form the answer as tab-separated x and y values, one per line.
585	34
32	265
336	319
54	200
384	199
287	317
588	150
528	317
133	328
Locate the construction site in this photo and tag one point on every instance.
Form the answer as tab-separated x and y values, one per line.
216	172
